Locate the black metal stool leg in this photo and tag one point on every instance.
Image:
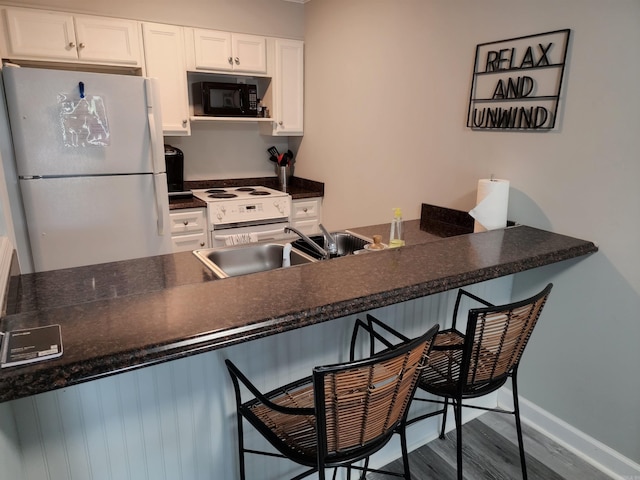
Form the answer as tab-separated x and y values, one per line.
457	408
241	447
405	453
444	417
366	468
516	412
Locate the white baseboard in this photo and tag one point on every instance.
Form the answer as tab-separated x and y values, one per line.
589	449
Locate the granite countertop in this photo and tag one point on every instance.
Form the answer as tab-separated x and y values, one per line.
124	315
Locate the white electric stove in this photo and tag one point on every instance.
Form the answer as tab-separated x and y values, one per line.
245	214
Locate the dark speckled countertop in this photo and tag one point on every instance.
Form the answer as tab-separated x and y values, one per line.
124	315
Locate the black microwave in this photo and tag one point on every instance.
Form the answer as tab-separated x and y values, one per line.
225	99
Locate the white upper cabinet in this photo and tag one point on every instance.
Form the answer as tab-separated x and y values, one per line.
54	36
287	88
249	53
108	40
216	51
164	60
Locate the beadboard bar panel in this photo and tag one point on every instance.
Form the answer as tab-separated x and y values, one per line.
10	454
176	420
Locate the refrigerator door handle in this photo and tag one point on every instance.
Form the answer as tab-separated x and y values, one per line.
154	114
157	154
158	180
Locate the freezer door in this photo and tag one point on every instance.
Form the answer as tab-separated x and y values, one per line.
43	123
76	221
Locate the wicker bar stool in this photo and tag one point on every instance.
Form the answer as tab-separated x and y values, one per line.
480	361
340	415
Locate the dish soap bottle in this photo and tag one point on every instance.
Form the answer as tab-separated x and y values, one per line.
396	237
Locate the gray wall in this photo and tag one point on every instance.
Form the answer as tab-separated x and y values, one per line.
387	88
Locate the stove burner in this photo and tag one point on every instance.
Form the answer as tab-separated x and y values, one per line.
216	190
245	189
223	195
260	192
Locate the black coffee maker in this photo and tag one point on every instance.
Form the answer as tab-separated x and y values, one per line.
174	161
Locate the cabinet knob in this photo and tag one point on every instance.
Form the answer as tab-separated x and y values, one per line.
230	60
202	244
237	61
280	123
72	45
305	210
184	122
81	45
186	222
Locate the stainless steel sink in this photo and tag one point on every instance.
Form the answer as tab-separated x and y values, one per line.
346	244
244	259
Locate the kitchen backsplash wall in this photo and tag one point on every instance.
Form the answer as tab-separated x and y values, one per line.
226	150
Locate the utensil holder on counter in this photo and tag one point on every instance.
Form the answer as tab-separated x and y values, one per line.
284	174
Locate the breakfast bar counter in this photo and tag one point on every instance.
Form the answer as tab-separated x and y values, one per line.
122	316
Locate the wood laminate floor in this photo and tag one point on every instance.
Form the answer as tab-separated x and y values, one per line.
490	452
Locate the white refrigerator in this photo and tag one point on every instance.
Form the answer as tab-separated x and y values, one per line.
90	162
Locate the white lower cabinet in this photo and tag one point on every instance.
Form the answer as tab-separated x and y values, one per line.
306	215
188	229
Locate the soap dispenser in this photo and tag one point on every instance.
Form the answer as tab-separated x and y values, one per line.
396	236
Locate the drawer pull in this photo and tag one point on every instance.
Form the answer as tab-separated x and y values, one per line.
186	222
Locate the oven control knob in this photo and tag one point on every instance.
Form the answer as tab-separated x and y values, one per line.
279	207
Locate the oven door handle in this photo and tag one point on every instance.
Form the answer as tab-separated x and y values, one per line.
258	234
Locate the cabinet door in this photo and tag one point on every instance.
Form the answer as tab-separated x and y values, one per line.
288	111
40	34
164	59
249	53
212	50
108	40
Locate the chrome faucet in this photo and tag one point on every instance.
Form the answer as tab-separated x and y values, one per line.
314	245
329	241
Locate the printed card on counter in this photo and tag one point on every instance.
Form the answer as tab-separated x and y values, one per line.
28	345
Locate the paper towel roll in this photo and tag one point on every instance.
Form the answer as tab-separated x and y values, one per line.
492	203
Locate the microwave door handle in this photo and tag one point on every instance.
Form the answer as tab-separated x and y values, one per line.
241	101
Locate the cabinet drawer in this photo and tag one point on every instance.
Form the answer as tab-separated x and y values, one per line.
306	209
188	221
186	243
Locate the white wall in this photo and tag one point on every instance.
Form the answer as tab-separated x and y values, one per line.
387	88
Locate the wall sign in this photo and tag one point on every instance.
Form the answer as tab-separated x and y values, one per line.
516	82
